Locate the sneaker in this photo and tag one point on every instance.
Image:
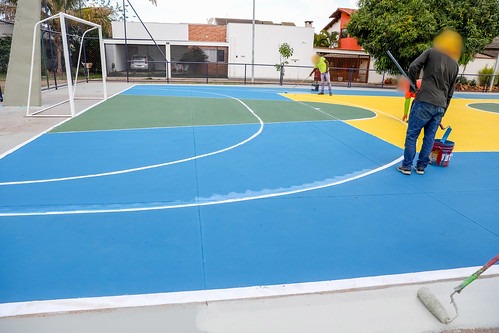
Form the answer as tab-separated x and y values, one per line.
404	170
321	93
330	94
419	171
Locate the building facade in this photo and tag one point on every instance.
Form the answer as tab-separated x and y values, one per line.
348	60
225	46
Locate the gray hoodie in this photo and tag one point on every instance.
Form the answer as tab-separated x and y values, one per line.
439	76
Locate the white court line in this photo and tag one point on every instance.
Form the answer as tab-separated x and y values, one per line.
153	166
10	151
215	295
492	112
158	165
206	203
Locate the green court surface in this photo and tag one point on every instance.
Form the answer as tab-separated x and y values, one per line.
128	111
490	107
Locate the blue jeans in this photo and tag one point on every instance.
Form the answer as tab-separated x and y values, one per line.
423	116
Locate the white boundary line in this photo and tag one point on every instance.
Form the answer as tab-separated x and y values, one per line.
207	203
202	296
19	146
197	204
153	166
159	165
473	108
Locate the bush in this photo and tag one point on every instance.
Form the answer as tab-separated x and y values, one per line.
486	75
472	83
4	53
462	80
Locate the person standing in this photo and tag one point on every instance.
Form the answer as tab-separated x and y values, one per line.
440	70
322	65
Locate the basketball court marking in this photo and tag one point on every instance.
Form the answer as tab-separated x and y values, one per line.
154	166
300	189
491	104
268	290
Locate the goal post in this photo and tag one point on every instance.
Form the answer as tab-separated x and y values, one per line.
71	82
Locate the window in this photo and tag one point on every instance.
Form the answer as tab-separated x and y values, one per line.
212	54
344	33
220	55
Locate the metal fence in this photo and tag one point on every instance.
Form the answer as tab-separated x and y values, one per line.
142	63
142	69
84	66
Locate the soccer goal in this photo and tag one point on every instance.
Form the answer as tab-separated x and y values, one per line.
72	59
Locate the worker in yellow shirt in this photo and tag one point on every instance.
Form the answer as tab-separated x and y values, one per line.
322	65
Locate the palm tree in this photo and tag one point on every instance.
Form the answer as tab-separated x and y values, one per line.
332	38
326	39
320	40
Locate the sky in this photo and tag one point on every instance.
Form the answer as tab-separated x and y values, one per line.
199	11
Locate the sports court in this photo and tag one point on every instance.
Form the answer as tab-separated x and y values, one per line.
179	188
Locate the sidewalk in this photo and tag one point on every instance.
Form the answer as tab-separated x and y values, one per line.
16	129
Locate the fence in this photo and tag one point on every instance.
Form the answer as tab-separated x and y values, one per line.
225	72
53	69
142	65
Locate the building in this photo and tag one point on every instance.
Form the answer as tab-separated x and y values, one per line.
349	61
226	44
338	23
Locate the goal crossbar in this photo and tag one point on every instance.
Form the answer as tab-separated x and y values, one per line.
71	87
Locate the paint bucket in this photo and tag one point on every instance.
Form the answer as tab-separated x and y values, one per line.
442	150
441	153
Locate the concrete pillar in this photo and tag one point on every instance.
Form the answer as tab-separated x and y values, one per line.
18	71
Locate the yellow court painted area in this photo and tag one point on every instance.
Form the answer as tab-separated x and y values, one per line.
473	130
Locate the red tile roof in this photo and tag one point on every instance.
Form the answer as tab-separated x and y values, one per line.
348	11
337	14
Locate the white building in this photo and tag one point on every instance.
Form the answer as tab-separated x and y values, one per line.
227	44
268	38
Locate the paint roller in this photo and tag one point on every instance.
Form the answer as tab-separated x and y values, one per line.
433	305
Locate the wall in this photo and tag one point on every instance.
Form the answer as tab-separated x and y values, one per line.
159	31
207	33
348	43
335	27
6	29
267	41
475	66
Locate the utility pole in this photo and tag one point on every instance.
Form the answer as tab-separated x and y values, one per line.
253	46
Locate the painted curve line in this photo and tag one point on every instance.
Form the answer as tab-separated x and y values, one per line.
153	166
221	199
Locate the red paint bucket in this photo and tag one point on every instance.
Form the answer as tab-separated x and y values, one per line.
441	153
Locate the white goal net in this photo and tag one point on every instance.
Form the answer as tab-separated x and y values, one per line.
73	65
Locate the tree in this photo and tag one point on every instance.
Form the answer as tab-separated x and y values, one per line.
285	52
407	28
326	39
100	12
320	39
5	43
195	56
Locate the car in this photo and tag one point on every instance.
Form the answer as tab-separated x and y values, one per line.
142	63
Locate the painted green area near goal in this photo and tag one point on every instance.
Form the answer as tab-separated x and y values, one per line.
128	112
490	107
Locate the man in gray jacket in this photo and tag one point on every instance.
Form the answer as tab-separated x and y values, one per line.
440	70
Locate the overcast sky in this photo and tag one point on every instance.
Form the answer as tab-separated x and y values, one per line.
199	11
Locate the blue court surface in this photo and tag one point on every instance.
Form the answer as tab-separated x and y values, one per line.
241	187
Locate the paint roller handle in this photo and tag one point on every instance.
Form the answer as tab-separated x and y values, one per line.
446	135
392	58
475	275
